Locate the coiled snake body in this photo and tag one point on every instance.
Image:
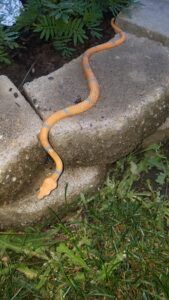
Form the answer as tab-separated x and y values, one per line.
51	182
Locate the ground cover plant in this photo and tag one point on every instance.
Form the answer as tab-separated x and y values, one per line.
64	22
114	247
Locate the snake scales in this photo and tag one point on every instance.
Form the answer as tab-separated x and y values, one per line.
51	182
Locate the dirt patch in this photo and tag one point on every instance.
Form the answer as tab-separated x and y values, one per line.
36	58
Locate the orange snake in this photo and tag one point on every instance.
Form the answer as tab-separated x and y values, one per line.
51	182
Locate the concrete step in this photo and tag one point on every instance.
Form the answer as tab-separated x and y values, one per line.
161	135
134	102
20	154
24	165
27	209
150	19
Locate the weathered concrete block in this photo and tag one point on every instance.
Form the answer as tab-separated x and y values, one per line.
150	19
134	102
29	210
20	154
161	135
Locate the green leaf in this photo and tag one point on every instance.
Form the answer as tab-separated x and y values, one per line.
134	168
161	178
74	258
29	273
43	278
6	244
61	45
109	267
80	277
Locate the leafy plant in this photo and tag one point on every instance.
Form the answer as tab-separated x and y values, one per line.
32	10
61	45
66	21
7	42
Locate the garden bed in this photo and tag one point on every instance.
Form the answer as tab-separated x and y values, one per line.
44	29
37	58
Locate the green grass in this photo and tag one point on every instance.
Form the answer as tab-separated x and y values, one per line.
114	247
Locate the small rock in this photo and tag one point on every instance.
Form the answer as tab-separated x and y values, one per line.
16	95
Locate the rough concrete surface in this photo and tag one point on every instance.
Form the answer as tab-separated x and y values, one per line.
150	19
29	210
19	151
134	102
161	135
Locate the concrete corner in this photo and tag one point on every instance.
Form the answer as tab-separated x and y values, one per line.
28	209
20	154
161	135
150	19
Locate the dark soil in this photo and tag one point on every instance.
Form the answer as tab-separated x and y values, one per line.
37	58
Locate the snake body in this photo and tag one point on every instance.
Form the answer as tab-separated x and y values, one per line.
51	182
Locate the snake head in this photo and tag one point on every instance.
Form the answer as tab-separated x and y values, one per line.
47	187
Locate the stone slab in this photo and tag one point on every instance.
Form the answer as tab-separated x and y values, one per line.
161	135
20	153
28	209
150	19
134	102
